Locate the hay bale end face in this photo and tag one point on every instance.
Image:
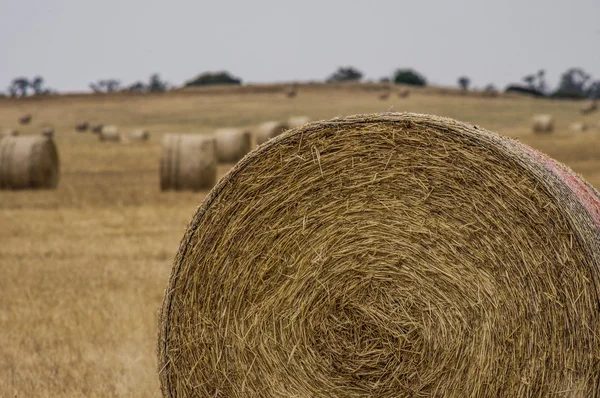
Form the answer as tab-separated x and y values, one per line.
232	144
28	162
48	132
297	121
139	135
387	255
109	133
269	130
543	124
188	162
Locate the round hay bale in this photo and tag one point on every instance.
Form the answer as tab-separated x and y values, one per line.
387	255
9	133
97	128
384	96
109	133
269	130
188	162
82	127
29	162
139	135
25	119
578	127
297	121
291	93
543	124
48	131
232	144
589	107
403	93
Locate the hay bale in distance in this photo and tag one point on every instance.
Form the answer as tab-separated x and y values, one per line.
188	162
82	127
291	93
139	135
387	255
384	96
403	93
97	128
9	133
28	162
269	130
25	119
543	124
232	144
578	127
110	133
297	121
48	131
589	107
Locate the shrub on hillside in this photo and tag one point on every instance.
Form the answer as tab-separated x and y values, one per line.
213	78
409	76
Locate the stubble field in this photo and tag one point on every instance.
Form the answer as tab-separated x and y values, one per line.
83	267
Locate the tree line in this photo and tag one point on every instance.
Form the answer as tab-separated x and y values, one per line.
575	83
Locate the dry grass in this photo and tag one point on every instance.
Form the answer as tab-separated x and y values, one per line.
85	266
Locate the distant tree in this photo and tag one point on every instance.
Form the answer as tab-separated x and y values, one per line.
490	87
572	84
409	76
36	85
213	78
530	80
156	85
593	90
137	87
520	89
385	79
541	81
105	86
464	82
345	74
19	87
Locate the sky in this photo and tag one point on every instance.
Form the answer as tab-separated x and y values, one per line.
74	42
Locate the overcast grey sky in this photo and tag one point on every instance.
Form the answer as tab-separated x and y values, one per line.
73	42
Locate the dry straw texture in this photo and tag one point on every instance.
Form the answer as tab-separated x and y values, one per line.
269	130
297	121
232	144
543	124
110	133
29	162
188	162
387	255
139	135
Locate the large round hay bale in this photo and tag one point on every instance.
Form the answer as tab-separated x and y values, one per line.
232	144
297	121
28	162
139	135
48	131
387	255
109	133
543	124
269	130
188	162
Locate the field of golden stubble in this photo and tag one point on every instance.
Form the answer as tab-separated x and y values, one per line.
84	267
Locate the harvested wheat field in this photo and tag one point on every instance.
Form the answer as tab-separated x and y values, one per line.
85	266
